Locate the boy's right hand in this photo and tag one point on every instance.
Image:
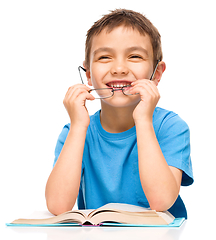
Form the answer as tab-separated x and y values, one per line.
74	103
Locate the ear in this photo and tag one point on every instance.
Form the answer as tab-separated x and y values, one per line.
88	74
159	72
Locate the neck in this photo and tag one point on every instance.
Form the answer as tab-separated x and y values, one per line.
116	120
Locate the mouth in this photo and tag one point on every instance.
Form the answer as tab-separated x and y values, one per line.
119	84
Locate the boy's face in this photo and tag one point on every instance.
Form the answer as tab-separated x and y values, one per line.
119	58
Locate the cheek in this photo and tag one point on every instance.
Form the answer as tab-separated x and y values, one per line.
142	71
98	74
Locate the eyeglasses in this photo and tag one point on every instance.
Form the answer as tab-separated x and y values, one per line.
101	93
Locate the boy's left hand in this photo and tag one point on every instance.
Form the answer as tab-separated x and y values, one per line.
149	96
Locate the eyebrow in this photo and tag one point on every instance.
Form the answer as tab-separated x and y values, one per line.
130	49
102	49
138	48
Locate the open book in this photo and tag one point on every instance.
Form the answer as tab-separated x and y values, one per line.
109	213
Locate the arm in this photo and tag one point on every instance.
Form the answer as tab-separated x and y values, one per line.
160	182
63	183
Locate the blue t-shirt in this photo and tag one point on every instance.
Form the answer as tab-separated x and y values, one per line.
110	172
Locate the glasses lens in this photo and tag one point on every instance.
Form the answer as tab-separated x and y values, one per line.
101	93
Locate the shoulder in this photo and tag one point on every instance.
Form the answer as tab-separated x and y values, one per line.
66	128
174	138
168	121
95	117
163	115
64	133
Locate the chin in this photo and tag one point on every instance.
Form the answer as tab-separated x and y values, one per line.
121	101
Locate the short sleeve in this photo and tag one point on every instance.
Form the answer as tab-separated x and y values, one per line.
60	142
174	140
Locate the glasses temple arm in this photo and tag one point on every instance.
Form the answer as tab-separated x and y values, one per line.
155	70
80	73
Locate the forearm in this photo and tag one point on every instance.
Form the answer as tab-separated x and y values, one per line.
63	184
157	179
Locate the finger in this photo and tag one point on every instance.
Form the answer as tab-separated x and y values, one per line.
85	96
82	86
79	98
142	91
146	93
72	89
146	84
143	81
153	87
141	88
139	81
76	92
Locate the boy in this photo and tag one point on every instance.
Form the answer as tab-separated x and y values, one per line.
130	151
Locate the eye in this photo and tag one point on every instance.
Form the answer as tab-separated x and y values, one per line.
103	57
136	56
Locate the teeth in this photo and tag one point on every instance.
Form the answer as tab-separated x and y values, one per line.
118	85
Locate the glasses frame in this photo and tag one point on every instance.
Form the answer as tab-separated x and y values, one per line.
79	68
114	89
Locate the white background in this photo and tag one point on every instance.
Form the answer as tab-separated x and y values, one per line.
41	47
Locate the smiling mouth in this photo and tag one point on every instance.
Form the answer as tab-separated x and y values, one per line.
119	84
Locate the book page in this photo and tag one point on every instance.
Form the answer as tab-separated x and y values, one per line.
167	216
125	207
47	214
126	213
86	211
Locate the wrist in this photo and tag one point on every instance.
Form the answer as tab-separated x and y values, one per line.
143	121
78	129
144	126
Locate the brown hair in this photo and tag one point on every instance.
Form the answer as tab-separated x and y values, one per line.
127	18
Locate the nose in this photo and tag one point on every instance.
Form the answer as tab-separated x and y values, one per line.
119	68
